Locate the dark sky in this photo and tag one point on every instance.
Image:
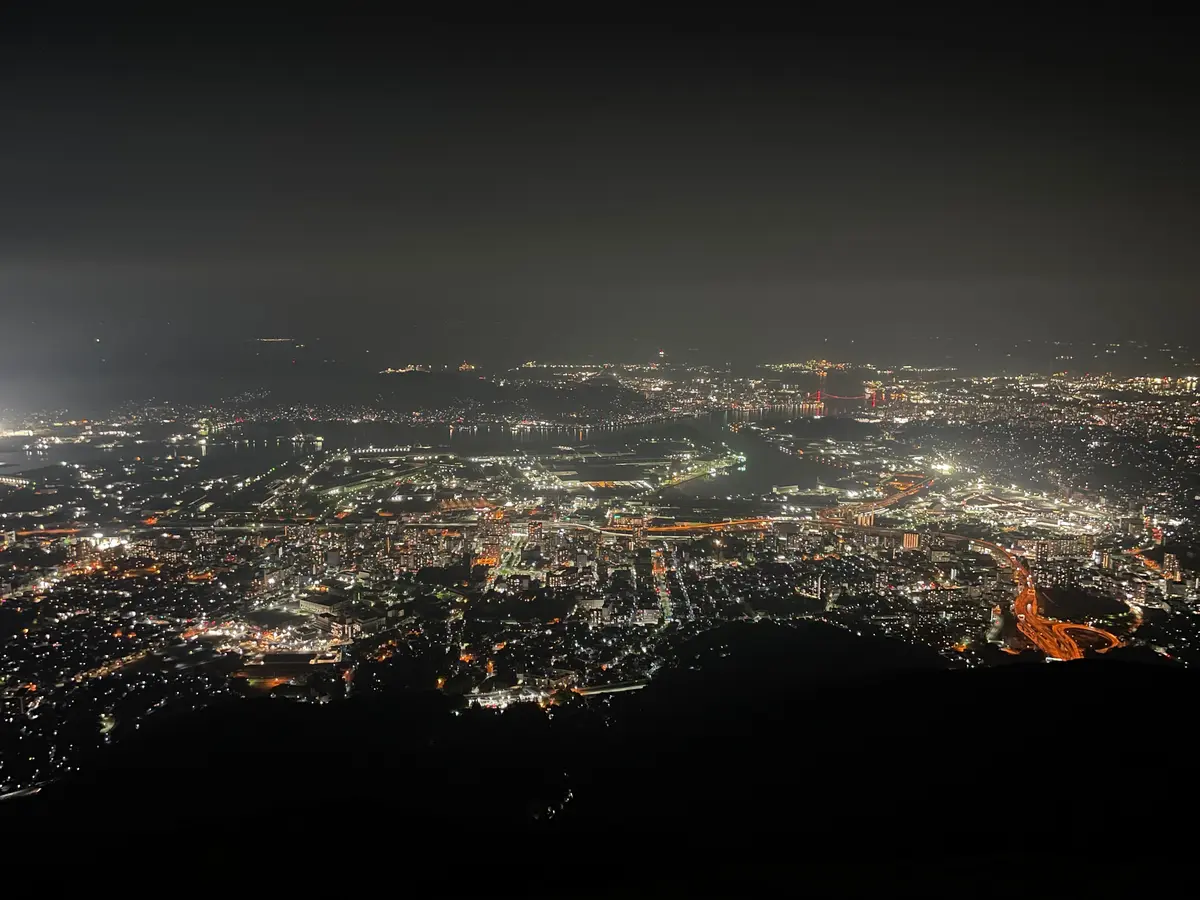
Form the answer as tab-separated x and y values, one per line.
175	187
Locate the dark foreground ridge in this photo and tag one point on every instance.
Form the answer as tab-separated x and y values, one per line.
762	742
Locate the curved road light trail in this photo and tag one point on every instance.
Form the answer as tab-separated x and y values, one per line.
1061	629
1052	638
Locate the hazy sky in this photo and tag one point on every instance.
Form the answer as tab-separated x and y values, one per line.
425	190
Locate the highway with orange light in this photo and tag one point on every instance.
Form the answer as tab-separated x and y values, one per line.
1052	638
761	522
1110	640
837	513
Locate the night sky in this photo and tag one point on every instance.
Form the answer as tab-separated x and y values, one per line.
177	187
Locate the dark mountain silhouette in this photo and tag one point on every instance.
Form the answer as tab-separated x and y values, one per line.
760	742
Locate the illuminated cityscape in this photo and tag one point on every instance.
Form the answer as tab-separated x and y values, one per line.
600	457
180	557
